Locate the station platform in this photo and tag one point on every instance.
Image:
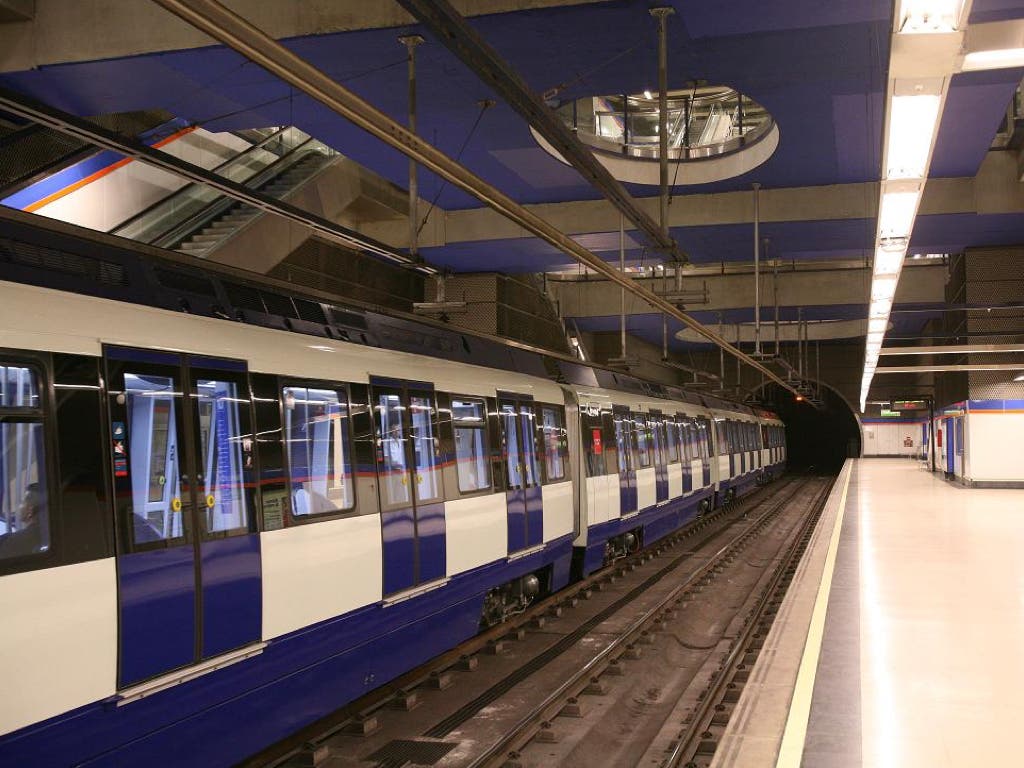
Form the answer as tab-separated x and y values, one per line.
899	643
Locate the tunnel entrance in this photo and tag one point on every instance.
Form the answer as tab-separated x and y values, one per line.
817	439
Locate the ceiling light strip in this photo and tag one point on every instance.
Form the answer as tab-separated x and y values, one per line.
915	98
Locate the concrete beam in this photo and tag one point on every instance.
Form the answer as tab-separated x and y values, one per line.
995	189
64	31
16	10
918	284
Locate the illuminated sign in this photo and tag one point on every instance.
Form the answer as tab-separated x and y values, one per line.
909	405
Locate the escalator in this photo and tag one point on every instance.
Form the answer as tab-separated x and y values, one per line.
196	219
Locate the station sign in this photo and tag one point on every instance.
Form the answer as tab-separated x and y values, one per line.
888	414
909	405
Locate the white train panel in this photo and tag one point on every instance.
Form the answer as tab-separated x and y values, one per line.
598	503
558	512
317	571
723	467
476	532
696	475
646	488
61	651
675	481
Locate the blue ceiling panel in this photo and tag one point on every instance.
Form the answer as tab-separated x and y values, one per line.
983	11
975	106
952	233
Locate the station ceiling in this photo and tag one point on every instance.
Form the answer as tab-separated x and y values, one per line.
820	68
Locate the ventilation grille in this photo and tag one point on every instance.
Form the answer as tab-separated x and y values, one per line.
182	281
350	319
107	273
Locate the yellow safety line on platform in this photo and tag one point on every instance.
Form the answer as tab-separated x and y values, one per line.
791	750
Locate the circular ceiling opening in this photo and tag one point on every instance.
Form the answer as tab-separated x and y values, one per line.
714	133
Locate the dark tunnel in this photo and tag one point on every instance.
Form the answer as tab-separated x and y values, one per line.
818	439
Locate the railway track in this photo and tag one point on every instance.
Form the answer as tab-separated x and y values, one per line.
514	680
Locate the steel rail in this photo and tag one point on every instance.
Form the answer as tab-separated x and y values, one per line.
453	31
72	125
235	32
519	733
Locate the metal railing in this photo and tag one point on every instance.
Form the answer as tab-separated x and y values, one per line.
702	123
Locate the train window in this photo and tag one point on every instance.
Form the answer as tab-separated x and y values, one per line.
555	447
469	423
425	448
316	425
24	511
222	463
394	469
152	406
513	464
686	441
723	437
530	465
641	441
672	441
593	441
622	442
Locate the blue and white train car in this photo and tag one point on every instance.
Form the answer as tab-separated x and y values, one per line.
213	532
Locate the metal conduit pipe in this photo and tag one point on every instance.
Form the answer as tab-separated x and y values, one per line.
662	14
232	30
757	271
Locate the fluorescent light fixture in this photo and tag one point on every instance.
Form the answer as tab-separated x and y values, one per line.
920	17
647	94
878	324
875	337
912	121
880	308
995	59
888	262
883	288
896	214
1019	377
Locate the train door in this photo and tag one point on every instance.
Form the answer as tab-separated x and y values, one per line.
523	494
657	426
188	557
627	470
409	483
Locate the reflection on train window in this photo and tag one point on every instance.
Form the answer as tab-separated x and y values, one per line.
622	443
530	465
20	387
223	488
471	463
641	441
394	469
428	474
319	452
24	515
513	464
554	444
151	404
672	441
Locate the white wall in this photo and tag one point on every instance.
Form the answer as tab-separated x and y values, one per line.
103	204
890	439
993	450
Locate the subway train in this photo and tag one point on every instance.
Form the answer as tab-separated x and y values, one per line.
228	508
